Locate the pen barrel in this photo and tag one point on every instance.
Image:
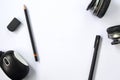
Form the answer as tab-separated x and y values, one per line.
31	35
96	46
93	65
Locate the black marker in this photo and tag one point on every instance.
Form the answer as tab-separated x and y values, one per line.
96	46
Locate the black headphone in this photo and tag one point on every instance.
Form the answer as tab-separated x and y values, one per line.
114	34
99	7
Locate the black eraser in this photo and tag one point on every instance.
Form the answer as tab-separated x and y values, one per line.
14	24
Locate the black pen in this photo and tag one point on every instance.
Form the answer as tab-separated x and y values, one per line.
30	33
96	47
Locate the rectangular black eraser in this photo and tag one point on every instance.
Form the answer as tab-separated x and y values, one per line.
13	25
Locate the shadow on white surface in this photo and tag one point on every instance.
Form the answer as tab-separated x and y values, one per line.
32	75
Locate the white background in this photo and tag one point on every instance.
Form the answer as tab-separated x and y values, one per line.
64	33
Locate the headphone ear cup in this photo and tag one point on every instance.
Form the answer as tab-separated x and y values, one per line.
103	8
91	4
113	29
1	53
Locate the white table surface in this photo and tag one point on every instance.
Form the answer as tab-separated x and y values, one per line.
64	33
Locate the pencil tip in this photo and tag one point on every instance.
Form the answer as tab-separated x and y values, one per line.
24	7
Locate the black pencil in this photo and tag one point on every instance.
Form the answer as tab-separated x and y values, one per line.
96	47
30	33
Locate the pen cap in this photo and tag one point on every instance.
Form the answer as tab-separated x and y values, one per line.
13	25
